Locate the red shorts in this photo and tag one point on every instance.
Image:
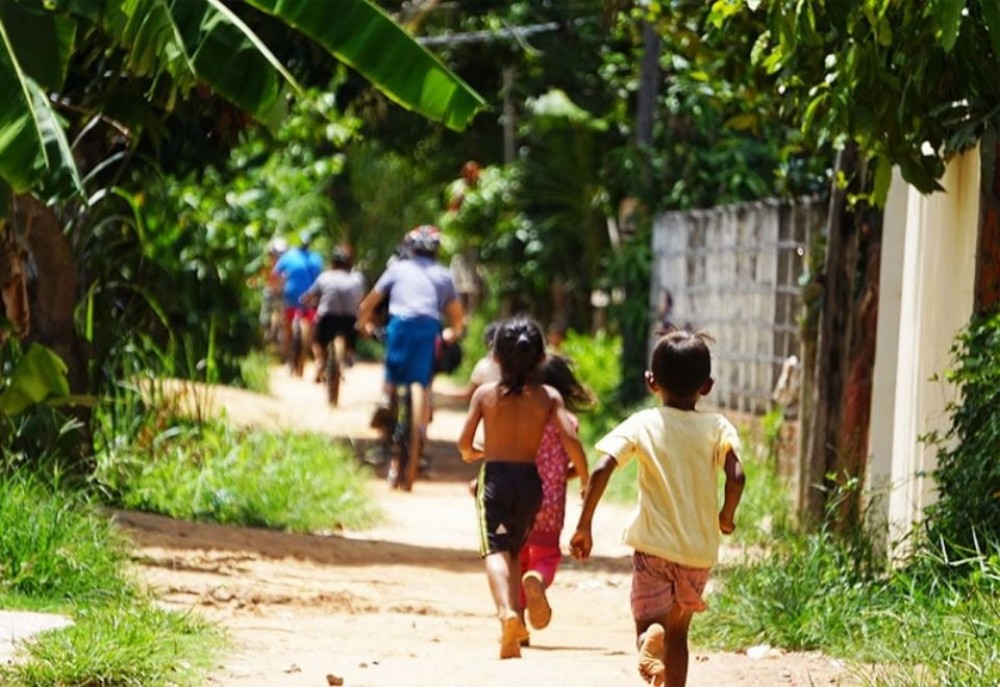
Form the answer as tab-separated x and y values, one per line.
658	585
300	311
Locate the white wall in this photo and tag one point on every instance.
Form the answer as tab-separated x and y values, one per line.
925	299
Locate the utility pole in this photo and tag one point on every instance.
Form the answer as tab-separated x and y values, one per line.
509	117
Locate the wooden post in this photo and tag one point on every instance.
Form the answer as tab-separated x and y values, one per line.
819	456
987	289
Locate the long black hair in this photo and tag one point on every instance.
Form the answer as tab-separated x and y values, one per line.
519	348
557	372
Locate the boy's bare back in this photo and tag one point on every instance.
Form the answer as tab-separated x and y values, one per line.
514	423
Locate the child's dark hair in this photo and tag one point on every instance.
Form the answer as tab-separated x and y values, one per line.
557	372
519	348
489	334
681	362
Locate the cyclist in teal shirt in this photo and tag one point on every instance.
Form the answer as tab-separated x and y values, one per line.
297	269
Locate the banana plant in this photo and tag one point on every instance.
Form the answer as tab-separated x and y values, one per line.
188	43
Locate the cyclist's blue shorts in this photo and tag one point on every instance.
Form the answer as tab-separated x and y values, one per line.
409	345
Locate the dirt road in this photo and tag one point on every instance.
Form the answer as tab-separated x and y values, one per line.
405	603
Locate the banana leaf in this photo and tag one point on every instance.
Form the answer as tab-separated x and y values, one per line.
362	36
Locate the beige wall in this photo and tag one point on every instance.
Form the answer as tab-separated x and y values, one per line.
925	299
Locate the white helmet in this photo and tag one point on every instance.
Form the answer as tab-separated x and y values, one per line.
277	246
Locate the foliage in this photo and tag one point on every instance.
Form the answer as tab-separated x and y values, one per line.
590	356
54	546
380	195
910	82
255	372
210	471
173	47
765	511
136	644
34	430
175	268
966	516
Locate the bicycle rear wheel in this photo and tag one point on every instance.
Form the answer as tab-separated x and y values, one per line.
398	471
332	374
297	355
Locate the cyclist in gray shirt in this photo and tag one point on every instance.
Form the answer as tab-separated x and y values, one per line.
337	292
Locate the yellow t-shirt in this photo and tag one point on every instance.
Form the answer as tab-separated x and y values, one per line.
680	454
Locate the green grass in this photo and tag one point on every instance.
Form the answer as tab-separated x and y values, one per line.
58	553
255	372
55	547
122	645
213	472
922	624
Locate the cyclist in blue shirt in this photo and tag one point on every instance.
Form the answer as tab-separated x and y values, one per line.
297	269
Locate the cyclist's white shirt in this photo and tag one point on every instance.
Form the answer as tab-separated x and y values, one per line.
340	292
417	287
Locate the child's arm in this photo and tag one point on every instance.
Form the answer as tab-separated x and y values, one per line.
735	480
569	439
475	414
582	540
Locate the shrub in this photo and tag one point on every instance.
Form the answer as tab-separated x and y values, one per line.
966	516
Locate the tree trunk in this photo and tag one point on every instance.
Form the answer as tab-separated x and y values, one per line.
635	330
987	290
819	457
52	300
853	433
649	82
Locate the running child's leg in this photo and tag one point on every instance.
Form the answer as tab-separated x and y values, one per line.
499	574
651	638
677	646
545	561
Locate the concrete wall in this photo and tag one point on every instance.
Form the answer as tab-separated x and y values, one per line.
925	299
734	271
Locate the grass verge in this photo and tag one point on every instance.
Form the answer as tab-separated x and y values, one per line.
59	554
214	472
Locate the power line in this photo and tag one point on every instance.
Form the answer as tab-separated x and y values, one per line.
517	33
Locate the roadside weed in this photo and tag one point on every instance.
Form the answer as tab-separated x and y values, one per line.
56	547
118	645
213	472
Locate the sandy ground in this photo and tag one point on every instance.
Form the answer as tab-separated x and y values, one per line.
405	603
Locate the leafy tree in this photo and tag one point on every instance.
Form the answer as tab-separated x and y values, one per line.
910	82
175	46
111	77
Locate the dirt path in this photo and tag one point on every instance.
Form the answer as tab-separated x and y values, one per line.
405	603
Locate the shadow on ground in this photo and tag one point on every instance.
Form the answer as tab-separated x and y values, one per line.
149	530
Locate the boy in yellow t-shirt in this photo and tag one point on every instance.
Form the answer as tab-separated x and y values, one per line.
675	528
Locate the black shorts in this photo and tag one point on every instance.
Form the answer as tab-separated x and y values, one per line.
507	500
328	327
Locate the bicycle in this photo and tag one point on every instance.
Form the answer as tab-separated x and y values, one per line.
403	439
332	371
297	345
296	355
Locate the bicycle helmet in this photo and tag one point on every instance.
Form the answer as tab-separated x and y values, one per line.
424	239
277	246
341	257
307	236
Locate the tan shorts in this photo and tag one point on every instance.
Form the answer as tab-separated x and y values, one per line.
658	585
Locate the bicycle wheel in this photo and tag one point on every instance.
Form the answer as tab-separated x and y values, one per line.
296	361
332	373
398	470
